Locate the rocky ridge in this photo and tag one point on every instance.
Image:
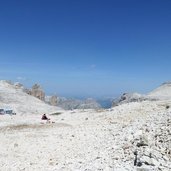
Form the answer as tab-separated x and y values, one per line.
163	92
54	100
132	97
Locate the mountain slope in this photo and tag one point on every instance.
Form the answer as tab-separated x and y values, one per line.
162	92
22	103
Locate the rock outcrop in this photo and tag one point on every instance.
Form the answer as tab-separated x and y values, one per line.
151	143
37	92
132	97
53	101
163	92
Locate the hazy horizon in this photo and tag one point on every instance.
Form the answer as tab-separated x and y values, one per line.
87	48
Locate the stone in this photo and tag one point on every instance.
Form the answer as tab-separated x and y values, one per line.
143	141
155	163
156	154
147	160
15	145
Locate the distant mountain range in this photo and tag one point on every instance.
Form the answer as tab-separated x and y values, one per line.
17	96
37	92
70	103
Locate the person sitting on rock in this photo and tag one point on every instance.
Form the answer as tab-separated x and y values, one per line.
44	117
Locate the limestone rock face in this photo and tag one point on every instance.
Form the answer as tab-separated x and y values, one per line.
37	92
132	97
53	100
128	97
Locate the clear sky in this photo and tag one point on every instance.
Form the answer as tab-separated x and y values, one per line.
86	47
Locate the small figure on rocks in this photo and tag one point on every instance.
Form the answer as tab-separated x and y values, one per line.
44	117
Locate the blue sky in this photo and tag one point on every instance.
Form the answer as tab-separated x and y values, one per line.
86	47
